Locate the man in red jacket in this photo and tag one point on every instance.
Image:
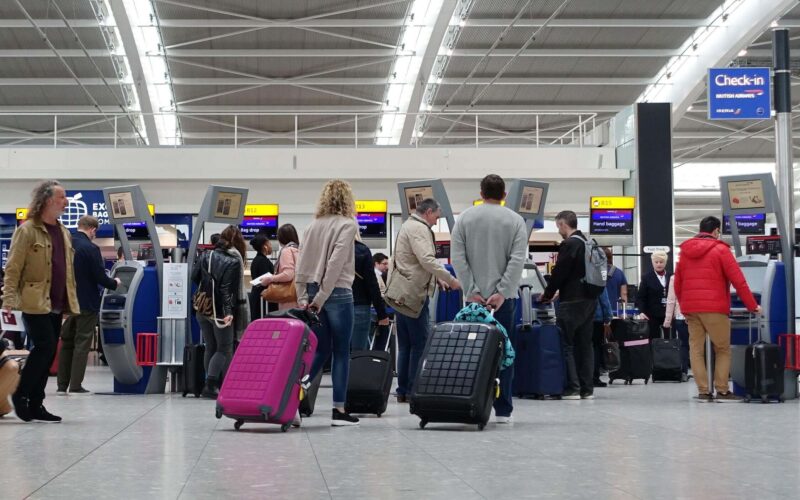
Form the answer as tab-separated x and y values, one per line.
703	281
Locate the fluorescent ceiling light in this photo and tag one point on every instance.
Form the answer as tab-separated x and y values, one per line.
417	32
154	66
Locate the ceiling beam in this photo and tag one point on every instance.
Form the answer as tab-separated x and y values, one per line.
531	109
221	81
428	59
587	23
125	31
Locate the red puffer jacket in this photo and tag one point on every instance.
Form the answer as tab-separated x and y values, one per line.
704	276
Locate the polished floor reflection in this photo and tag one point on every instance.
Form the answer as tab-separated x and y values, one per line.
645	442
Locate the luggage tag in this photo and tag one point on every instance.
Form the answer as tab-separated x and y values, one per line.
497	388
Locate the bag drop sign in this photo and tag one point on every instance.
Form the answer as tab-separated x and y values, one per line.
739	94
87	202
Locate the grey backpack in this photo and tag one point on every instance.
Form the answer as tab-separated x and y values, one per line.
596	266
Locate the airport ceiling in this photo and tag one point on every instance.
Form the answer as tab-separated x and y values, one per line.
332	72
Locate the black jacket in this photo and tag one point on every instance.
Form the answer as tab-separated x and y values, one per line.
260	266
651	298
365	289
90	273
567	276
225	272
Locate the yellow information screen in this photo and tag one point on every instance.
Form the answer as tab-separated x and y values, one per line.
371	206
262	210
613	202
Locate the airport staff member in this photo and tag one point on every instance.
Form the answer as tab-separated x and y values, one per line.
40	282
78	330
488	249
703	281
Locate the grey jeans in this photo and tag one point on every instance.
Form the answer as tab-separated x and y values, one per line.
219	347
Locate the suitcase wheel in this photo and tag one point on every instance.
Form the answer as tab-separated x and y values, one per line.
481	426
285	427
218	413
747	398
185	393
781	399
764	399
645	381
238	424
379	415
423	423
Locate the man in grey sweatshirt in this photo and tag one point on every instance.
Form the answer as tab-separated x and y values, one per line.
488	248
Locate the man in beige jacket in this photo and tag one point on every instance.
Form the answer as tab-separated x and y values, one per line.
40	282
413	275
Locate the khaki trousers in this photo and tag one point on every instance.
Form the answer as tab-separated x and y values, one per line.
76	339
718	327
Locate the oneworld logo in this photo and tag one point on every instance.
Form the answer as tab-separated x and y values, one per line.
739	81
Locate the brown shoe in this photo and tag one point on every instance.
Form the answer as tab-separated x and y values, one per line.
402	398
727	397
705	398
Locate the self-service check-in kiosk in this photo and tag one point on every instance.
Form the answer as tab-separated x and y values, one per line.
223	205
133	308
766	277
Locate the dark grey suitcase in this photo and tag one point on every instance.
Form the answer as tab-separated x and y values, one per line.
194	374
457	377
370	380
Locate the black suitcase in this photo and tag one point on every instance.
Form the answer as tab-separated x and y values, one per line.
667	366
457	377
306	408
370	381
633	337
763	372
194	373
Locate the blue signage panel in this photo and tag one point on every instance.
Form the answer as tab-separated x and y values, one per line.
604	221
87	202
739	94
746	223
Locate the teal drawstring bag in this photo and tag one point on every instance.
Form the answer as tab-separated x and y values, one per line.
476	313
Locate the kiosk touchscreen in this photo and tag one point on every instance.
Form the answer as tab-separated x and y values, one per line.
528	198
413	192
134	307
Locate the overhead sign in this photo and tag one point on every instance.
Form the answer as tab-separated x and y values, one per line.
371	206
22	214
616	202
739	94
261	210
87	202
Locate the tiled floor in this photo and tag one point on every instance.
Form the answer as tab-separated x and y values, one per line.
646	442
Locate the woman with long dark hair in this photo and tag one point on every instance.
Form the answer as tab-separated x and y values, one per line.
223	270
260	266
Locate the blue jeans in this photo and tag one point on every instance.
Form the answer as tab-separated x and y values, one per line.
362	321
412	334
503	406
333	337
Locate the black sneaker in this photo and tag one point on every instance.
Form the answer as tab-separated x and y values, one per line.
341	419
42	415
209	392
599	383
79	390
61	391
21	408
587	395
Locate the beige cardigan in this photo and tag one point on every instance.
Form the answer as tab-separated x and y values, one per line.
327	257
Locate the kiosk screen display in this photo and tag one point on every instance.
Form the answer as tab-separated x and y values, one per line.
122	205
125	276
746	223
746	194
251	226
414	195
227	205
531	200
372	225
612	222
442	249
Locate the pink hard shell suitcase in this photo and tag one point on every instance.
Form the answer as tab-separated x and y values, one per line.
263	380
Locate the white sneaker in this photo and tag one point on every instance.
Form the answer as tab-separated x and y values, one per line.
298	420
504	420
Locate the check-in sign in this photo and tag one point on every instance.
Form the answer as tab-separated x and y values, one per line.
739	94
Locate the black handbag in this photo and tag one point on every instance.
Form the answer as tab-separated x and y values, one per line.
611	356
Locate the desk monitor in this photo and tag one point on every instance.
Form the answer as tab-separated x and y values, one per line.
746	223
371	225
251	226
616	222
121	204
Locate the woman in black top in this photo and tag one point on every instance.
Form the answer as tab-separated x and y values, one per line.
260	266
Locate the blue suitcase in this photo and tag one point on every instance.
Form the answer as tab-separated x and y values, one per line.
448	303
539	363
